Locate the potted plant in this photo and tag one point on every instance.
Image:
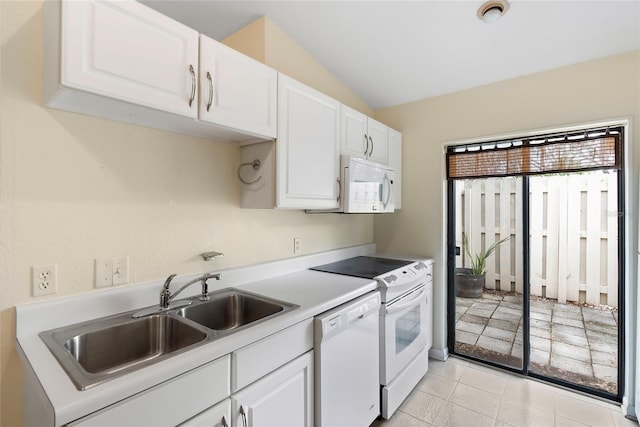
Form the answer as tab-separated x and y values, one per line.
470	281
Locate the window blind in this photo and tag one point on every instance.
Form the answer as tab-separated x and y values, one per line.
585	150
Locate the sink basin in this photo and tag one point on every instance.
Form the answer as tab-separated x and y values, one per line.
117	347
232	309
98	350
95	351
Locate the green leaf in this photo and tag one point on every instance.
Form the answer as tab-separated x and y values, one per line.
478	261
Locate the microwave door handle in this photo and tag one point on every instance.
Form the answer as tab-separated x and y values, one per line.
389	192
401	305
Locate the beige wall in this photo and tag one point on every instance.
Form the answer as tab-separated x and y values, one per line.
589	92
74	188
278	50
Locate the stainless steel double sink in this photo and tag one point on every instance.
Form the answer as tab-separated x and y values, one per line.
98	350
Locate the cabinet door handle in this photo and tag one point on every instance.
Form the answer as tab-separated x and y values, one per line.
223	422
366	148
193	85
339	189
243	413
210	90
371	152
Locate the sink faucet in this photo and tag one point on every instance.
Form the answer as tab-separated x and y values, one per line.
166	296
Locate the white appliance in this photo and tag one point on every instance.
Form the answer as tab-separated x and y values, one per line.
347	364
366	187
406	288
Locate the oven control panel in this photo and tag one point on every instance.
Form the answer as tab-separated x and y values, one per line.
405	274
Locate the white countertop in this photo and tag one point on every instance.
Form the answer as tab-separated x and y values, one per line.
287	280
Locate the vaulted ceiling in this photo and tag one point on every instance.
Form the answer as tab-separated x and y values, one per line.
393	52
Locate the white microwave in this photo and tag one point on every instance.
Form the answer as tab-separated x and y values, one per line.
366	187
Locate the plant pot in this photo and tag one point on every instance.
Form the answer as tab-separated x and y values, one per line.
467	284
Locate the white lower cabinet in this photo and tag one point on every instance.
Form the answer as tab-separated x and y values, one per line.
272	386
283	398
216	416
169	403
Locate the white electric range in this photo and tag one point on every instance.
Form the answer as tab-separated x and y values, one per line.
406	288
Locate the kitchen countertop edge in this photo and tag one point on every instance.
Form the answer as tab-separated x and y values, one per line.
288	280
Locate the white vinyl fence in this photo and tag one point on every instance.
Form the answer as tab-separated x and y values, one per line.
573	224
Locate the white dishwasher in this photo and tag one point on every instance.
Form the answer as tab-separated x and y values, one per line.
347	364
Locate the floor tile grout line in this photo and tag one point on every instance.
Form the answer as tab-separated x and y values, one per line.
464	308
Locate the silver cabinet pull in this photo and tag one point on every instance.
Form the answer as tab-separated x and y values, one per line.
193	84
339	190
210	90
243	413
366	148
371	152
223	422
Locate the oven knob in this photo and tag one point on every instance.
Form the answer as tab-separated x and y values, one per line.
420	266
390	278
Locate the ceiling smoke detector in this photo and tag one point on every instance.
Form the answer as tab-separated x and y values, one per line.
492	10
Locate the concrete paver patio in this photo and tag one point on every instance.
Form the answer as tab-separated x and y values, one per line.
568	341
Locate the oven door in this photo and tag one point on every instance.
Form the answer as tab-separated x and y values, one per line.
403	332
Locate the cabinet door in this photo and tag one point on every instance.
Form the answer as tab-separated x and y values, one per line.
127	51
353	133
283	398
378	135
216	416
236	91
168	403
429	315
395	161
307	147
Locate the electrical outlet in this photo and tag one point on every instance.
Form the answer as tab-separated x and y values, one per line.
44	280
297	245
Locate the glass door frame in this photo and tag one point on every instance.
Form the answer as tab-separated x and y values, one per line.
526	345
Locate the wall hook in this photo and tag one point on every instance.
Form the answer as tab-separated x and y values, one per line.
255	165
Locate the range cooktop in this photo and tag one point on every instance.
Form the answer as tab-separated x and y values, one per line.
363	266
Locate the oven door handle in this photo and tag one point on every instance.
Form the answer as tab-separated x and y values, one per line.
406	301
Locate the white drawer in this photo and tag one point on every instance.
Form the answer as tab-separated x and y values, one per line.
256	360
217	416
169	403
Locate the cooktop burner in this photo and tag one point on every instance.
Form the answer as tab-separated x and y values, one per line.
362	266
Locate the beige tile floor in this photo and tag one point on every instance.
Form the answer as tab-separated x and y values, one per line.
462	393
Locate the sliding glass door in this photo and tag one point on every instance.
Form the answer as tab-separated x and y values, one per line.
574	278
535	245
488	276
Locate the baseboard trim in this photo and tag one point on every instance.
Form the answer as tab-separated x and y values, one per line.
628	410
439	353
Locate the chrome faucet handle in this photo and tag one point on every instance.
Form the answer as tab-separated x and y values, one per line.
165	294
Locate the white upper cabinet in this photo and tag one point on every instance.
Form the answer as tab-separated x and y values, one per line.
362	136
308	145
124	50
395	161
236	91
353	133
124	61
378	134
